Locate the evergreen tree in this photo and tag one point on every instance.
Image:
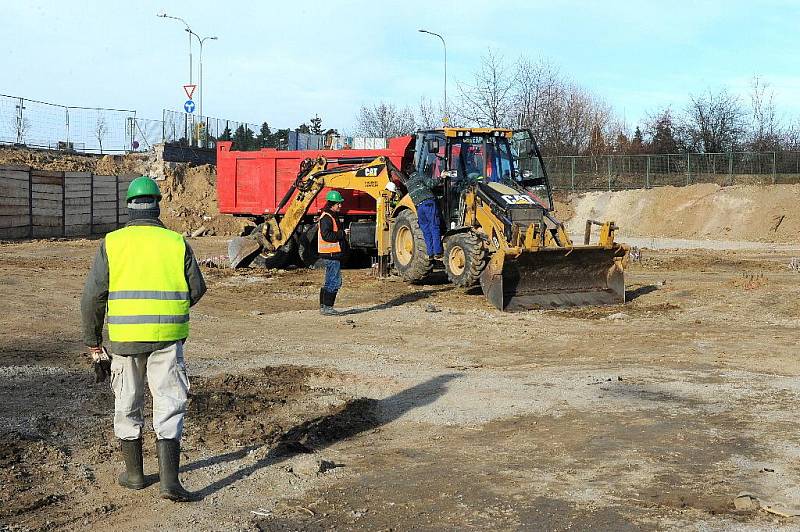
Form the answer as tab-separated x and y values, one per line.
637	144
280	139
263	137
303	128
226	133
244	139
316	125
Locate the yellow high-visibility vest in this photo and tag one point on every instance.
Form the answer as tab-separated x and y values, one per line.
148	296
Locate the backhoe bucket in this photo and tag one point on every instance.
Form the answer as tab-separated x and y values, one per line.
555	277
241	249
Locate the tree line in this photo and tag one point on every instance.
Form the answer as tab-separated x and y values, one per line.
245	139
568	119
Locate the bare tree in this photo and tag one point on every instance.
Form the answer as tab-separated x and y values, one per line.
100	130
764	130
384	120
535	84
20	126
488	101
428	117
713	123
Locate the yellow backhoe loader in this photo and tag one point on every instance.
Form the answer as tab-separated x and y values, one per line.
498	227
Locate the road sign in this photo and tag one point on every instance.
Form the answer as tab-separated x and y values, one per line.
189	106
189	90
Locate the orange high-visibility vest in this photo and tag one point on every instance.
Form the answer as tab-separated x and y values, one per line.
323	246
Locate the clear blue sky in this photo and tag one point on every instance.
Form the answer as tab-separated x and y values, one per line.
284	61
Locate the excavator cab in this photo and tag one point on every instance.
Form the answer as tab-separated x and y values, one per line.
457	161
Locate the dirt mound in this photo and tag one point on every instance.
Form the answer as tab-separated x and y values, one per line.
49	160
706	211
190	202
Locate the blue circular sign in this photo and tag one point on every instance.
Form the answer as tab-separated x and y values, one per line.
189	106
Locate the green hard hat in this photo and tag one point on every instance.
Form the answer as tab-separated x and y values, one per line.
334	196
142	186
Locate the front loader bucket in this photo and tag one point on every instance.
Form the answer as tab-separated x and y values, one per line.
556	277
241	249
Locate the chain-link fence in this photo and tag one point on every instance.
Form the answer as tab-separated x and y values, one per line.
616	172
46	125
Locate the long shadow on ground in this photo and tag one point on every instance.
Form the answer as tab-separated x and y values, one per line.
357	416
395	302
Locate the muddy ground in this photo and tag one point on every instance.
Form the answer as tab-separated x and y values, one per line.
423	407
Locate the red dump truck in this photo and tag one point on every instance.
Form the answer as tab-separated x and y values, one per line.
253	183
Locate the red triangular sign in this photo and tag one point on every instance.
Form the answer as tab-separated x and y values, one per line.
189	89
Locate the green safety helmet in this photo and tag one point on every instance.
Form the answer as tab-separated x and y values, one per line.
334	197
142	186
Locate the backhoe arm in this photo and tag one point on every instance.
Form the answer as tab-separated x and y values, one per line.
371	178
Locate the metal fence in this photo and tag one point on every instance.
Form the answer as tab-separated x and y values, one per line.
46	125
201	131
617	172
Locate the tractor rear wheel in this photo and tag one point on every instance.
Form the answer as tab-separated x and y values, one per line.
409	253
465	257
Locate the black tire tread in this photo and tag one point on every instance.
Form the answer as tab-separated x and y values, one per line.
420	267
476	256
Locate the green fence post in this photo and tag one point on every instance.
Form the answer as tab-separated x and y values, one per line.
609	172
688	168
730	168
647	175
573	173
774	169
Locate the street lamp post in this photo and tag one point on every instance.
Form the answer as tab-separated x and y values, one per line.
164	15
201	41
446	117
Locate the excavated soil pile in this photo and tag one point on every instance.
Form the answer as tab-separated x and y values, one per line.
190	202
49	160
739	213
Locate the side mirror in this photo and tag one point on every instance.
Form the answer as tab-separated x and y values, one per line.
449	174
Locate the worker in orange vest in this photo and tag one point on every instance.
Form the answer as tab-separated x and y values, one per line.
331	243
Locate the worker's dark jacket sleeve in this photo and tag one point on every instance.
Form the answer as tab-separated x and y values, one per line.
329	235
95	297
194	278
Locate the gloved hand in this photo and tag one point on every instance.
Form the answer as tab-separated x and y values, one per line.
101	363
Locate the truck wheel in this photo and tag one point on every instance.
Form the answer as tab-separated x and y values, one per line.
465	257
281	258
409	253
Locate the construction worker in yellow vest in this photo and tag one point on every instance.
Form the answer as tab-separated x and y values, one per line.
144	279
331	244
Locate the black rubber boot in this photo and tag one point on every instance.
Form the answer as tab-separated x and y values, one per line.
169	460
133	477
327	304
321	297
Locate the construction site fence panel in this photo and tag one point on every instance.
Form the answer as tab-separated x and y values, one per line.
619	172
37	124
42	204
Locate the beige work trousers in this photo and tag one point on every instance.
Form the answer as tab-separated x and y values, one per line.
169	386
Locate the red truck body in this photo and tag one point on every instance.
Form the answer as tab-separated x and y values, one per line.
252	183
